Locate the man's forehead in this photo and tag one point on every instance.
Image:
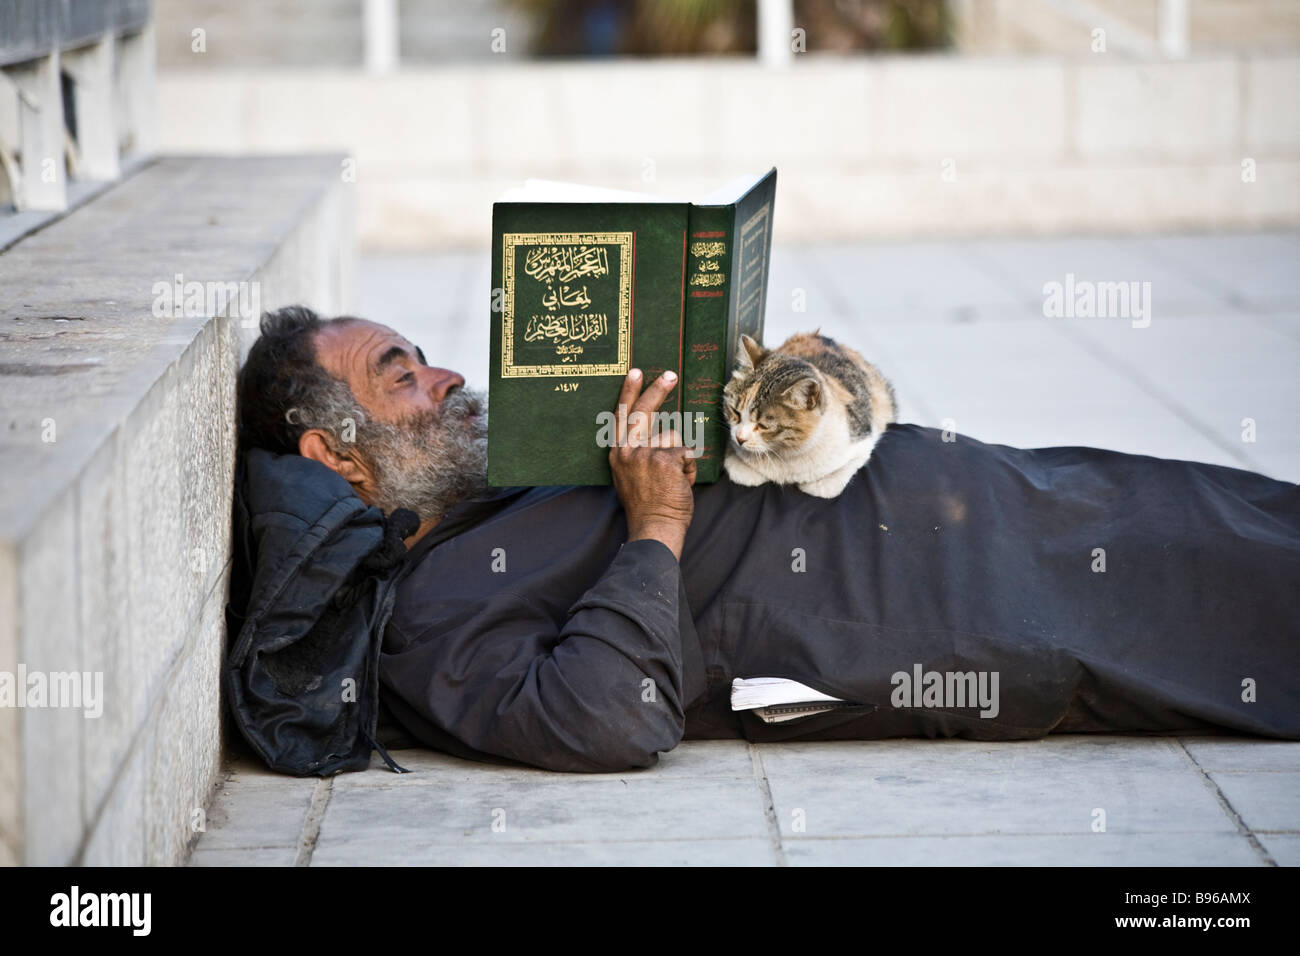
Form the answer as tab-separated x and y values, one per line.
359	347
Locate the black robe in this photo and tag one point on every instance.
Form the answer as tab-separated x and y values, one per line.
1108	592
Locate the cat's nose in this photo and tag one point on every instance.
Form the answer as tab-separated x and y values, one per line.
740	440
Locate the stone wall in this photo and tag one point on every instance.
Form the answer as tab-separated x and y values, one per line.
881	147
117	459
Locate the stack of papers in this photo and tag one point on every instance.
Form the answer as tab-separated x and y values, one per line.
777	699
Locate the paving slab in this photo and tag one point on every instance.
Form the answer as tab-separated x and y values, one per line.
417	824
744	852
1284	848
1195	366
1288	323
1266	801
1256	270
1235	753
1026	265
896	802
900	283
251	818
1026	384
1093	849
1061	785
695	759
244	856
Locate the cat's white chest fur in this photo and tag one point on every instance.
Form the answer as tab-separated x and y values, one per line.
823	467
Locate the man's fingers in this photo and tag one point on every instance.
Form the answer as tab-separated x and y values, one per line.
668	439
640	418
655	393
626	397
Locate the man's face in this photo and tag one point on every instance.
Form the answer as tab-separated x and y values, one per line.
424	440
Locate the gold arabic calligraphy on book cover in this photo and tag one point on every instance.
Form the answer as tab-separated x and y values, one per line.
567	304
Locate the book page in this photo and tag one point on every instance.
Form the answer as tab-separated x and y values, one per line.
549	190
754	692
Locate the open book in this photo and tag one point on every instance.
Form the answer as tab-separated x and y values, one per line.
588	283
777	699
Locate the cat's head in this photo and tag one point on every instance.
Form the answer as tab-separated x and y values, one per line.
773	401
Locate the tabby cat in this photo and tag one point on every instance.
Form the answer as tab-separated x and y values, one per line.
806	413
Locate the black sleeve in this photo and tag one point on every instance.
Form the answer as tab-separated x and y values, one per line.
604	692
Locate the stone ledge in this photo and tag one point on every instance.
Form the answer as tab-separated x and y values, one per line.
878	147
117	459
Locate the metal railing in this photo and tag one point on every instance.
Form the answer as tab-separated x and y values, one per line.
76	78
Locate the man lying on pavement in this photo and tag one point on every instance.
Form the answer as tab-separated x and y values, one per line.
954	588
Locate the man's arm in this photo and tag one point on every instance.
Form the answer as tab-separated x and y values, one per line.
600	690
603	691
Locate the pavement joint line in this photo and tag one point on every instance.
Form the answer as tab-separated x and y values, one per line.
320	799
1228	808
769	807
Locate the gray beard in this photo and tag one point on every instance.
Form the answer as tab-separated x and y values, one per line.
430	462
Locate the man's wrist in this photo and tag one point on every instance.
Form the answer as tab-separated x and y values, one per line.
670	533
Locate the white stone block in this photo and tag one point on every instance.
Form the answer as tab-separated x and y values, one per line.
50	642
1152	112
931	108
109	640
1272	111
11	830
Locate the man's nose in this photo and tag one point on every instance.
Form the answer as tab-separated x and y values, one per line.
443	381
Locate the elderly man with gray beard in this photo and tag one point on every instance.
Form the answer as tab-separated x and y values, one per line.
590	628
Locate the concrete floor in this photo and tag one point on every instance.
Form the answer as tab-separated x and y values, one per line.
960	328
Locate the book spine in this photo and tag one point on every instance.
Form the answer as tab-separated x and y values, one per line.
705	360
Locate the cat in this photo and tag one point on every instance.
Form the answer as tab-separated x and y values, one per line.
808	413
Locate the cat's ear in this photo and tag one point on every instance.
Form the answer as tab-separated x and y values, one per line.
804	394
749	353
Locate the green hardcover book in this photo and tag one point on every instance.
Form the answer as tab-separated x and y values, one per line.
728	255
588	283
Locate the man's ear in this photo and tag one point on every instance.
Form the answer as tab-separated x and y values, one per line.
318	445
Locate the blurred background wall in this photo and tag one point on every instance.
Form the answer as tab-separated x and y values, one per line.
886	118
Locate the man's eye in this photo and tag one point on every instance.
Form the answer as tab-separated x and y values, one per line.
406	377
